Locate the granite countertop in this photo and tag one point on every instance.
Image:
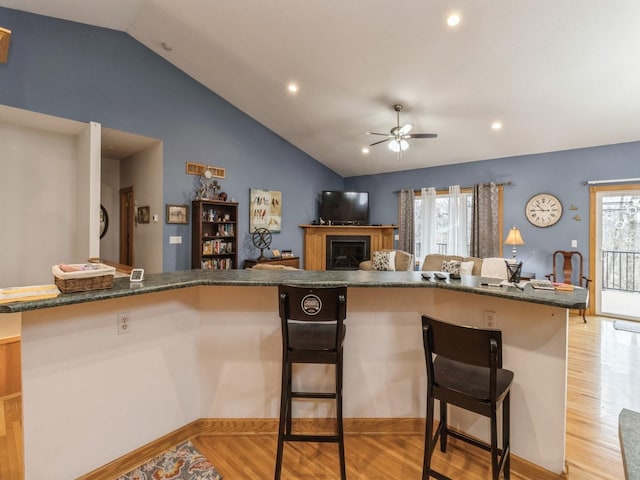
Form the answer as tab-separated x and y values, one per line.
629	433
261	278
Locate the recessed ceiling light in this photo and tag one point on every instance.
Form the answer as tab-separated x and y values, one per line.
292	87
496	125
365	150
167	46
453	19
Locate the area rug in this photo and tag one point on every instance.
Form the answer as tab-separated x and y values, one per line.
627	326
183	462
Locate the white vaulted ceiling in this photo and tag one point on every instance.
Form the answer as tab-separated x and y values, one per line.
558	74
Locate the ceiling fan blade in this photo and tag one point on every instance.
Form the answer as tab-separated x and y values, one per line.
381	141
383	134
422	135
405	129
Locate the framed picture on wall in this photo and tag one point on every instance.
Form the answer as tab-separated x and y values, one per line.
265	210
177	213
143	215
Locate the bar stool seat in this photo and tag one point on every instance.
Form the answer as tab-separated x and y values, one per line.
464	368
313	331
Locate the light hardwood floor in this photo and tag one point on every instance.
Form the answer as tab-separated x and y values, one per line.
603	378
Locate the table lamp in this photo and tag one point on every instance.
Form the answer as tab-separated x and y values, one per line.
514	238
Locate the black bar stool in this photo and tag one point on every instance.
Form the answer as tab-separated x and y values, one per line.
464	368
313	331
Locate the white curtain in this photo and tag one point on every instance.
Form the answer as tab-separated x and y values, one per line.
428	234
457	242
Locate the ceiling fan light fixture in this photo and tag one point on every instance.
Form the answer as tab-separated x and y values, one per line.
398	145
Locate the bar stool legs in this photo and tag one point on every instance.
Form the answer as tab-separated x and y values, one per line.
313	332
284	428
464	368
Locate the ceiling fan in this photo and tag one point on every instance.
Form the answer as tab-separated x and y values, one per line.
398	135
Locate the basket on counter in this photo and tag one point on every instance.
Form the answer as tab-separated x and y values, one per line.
89	276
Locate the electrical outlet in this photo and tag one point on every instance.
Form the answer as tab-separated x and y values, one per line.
123	323
490	319
574	243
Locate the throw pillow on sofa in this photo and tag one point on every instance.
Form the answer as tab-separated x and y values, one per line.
466	268
452	267
383	261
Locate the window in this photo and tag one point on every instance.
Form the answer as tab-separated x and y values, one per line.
443	226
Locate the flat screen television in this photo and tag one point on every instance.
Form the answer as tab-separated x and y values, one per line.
345	208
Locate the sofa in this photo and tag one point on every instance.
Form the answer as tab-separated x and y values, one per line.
494	267
402	261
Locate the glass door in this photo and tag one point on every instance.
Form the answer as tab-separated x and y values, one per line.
617	251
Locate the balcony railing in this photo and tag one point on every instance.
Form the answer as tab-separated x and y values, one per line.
621	271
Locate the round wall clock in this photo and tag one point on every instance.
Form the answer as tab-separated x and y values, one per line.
543	210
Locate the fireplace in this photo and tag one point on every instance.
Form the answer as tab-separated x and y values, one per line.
346	252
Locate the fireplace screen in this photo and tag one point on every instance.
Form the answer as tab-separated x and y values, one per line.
346	252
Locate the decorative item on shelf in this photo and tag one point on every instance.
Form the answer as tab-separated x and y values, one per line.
207	186
577	217
287	254
573	207
261	238
275	253
514	238
265	210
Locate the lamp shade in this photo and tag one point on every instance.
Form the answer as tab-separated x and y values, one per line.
514	237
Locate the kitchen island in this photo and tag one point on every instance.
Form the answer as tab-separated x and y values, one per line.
206	345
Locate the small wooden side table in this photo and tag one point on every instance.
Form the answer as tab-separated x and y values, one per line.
288	261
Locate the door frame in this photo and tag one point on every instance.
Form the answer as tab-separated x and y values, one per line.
594	252
127	211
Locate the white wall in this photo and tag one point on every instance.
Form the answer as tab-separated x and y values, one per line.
143	171
110	198
91	395
39	197
215	352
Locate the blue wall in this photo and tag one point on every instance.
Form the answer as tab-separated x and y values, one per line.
85	73
559	173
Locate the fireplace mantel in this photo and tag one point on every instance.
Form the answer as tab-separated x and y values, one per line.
315	240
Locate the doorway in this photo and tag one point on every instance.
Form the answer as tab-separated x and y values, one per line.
126	226
616	250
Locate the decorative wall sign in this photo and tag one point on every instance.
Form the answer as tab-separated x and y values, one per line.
265	210
199	169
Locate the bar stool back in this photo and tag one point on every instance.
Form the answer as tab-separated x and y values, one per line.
464	368
313	331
